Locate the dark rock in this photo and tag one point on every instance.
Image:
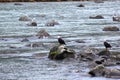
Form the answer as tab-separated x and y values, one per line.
81	5
96	17
61	52
42	33
111	28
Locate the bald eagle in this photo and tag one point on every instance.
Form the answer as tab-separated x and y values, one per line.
107	45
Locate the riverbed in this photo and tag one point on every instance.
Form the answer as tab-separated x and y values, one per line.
21	62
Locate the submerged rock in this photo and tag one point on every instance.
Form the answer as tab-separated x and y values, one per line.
61	52
42	34
111	28
96	17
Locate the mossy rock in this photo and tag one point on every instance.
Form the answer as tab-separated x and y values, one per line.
61	52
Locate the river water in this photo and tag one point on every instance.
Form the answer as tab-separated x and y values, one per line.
21	62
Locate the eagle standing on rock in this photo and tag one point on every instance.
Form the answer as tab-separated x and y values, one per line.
61	41
107	45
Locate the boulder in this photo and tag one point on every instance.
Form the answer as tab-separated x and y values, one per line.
111	28
101	70
61	52
24	18
43	34
52	23
96	17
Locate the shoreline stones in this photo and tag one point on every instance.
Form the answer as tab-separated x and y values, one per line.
111	28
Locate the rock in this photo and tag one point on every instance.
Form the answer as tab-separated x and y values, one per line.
81	5
35	45
18	4
86	56
97	71
42	34
96	17
104	53
52	23
111	28
100	70
24	18
25	40
115	18
32	24
61	52
98	1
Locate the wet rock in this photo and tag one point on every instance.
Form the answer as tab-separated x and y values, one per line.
25	40
81	5
115	18
42	34
101	70
96	17
111	28
87	55
24	18
52	23
61	52
104	53
32	23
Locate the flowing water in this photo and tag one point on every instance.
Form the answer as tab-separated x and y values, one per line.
21	62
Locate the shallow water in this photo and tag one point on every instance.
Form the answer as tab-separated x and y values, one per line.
19	62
